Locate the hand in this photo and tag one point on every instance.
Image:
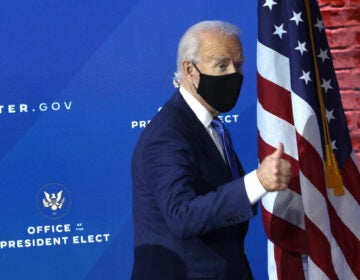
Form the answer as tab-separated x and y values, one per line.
274	172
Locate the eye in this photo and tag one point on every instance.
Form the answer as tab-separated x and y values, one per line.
239	65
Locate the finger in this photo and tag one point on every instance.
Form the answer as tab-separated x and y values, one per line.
279	151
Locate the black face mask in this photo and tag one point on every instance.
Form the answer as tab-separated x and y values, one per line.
220	92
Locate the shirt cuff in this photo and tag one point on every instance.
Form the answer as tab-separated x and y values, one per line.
253	187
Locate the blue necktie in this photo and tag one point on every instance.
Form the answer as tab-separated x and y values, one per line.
226	144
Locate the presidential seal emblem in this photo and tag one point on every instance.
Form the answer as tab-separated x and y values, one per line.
53	201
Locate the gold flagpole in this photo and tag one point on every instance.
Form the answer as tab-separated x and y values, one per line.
333	176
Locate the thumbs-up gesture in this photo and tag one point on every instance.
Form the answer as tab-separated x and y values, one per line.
274	172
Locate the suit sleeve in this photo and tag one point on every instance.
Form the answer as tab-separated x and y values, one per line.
171	172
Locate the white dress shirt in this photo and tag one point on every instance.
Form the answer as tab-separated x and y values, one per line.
253	187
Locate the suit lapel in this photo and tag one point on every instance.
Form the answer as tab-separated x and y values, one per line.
199	134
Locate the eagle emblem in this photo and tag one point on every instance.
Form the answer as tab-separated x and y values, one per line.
54	201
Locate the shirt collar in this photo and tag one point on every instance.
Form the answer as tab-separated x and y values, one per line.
200	111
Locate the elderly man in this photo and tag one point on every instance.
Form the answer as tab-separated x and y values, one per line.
191	198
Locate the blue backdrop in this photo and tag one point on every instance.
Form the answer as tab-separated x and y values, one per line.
79	81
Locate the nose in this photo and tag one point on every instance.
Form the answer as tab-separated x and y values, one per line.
232	68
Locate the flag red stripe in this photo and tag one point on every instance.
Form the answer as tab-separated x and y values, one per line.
284	234
275	99
351	178
288	265
314	172
320	250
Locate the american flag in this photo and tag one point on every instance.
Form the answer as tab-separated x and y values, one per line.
313	231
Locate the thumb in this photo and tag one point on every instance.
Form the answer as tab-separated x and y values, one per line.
279	151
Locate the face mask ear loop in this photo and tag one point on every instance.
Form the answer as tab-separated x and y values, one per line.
197	69
193	63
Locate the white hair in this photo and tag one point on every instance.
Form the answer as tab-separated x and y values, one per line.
190	42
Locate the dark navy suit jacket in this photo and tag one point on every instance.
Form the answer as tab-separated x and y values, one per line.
190	218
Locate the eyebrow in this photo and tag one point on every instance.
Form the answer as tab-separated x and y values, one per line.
221	59
226	59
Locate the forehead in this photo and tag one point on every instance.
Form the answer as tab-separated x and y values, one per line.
215	46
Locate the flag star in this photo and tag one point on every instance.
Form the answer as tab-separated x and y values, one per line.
330	115
279	30
323	55
333	145
297	18
319	24
326	85
269	3
305	76
301	47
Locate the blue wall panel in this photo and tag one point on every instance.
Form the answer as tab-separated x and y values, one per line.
78	82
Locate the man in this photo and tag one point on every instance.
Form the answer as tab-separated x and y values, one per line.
190	209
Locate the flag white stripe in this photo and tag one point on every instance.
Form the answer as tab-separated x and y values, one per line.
315	205
271	261
341	266
306	123
284	133
353	157
288	203
315	273
266	59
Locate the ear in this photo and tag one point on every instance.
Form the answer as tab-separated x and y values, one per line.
188	68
